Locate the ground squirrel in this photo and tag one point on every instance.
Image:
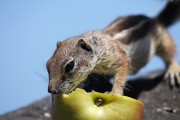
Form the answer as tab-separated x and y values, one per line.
122	48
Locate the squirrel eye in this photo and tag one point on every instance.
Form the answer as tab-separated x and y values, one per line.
69	66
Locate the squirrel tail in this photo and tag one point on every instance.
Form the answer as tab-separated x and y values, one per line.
170	14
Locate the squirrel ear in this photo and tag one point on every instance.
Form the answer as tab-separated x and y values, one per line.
58	43
84	45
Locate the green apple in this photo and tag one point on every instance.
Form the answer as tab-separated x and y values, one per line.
80	105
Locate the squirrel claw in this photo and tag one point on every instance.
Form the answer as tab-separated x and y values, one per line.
173	75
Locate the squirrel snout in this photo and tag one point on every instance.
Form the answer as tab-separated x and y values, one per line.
52	90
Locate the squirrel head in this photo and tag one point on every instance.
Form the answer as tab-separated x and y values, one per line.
73	61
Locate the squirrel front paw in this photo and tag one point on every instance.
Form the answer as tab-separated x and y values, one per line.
117	91
173	74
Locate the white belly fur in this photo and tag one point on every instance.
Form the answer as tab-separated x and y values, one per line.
140	52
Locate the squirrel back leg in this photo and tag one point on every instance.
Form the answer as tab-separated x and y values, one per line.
166	50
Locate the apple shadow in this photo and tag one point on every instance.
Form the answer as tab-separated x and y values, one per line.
134	87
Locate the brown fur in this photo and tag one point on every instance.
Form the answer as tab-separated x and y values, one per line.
123	48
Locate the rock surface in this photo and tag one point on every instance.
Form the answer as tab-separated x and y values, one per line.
161	102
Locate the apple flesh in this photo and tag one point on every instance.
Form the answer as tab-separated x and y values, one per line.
80	105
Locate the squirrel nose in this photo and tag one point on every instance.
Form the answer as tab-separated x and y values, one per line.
52	91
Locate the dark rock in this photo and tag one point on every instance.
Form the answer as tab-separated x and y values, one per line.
161	103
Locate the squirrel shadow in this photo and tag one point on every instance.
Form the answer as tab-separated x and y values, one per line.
134	87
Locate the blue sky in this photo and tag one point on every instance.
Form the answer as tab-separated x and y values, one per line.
29	30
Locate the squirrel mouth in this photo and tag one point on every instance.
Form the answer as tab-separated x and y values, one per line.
74	85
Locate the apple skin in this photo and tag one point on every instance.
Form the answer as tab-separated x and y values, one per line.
80	105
